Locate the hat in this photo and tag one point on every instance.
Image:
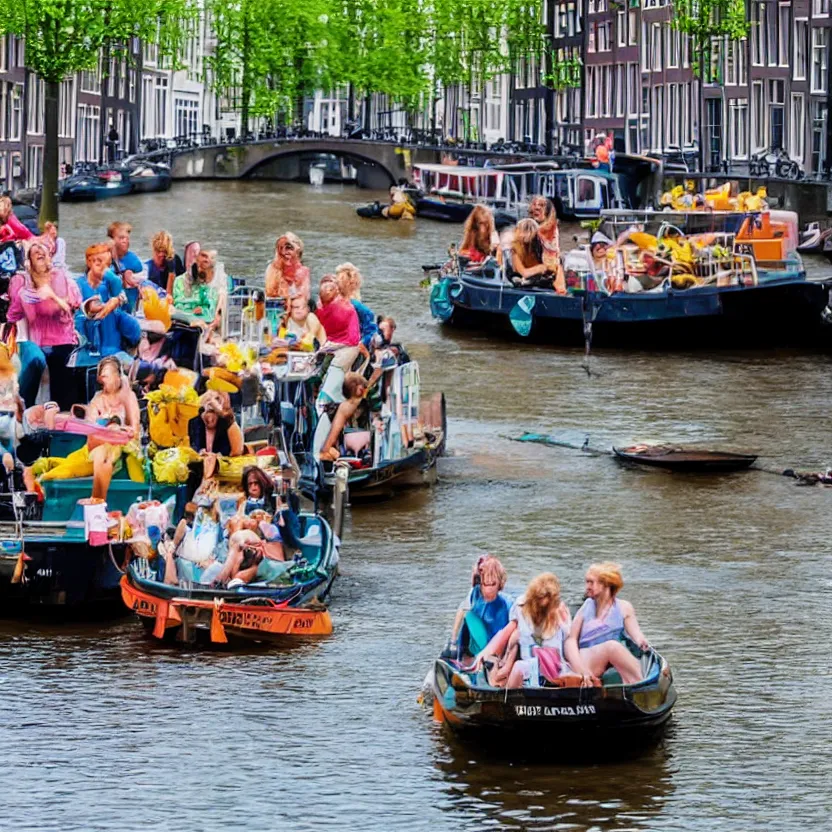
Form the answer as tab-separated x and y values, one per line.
600	239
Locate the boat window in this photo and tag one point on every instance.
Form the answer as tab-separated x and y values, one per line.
587	190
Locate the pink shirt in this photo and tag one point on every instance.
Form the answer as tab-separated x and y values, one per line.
49	325
14	230
340	322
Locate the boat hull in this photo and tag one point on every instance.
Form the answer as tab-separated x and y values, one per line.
151	184
627	714
770	314
705	462
92	193
60	575
220	620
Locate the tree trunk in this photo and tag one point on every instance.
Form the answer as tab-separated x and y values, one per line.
49	192
351	102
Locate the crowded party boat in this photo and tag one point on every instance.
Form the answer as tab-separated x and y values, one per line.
529	665
708	269
183	442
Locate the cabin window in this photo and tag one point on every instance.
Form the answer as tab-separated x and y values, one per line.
587	190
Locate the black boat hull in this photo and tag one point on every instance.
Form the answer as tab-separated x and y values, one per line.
774	314
700	462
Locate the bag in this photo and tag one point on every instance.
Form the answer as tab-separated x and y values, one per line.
549	662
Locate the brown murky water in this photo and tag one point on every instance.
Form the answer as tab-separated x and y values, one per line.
101	729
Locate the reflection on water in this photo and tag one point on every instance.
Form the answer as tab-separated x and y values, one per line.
729	575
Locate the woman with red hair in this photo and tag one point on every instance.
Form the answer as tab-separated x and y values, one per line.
479	237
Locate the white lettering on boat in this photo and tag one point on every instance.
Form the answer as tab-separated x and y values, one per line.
554	710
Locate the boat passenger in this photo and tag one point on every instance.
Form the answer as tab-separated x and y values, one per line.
47	297
542	211
165	265
11	228
196	292
527	256
195	542
485	600
10	406
354	390
593	642
340	321
479	236
118	329
302	324
539	622
215	431
190	252
384	339
349	283
258	491
114	405
400	207
286	276
126	263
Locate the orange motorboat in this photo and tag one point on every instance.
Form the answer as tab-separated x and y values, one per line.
223	618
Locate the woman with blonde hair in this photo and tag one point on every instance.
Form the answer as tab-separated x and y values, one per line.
349	282
593	643
539	623
479	236
542	211
165	265
286	276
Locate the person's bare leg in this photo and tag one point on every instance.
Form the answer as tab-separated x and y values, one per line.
232	565
515	678
102	471
29	479
599	657
247	575
171	576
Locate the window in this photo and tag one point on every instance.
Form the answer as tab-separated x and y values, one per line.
34	116
621	28
673	113
819	60
66	109
131	91
633	84
16	113
4	65
758	41
34	165
187	116
672	47
797	128
5	90
656	47
20	52
759	114
87	139
645	47
819	110
619	90
801	45
90	80
632	28
737	127
820	8
122	78
776	113
783	31
4	170
731	63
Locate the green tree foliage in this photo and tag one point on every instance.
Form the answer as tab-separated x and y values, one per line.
66	36
705	21
274	51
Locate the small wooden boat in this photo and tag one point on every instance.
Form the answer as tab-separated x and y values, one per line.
685	459
467	704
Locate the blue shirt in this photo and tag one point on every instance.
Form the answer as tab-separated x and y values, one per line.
130	262
494	614
110	287
366	322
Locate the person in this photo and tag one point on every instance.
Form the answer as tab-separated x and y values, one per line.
47	298
526	255
251	557
115	404
126	264
195	542
112	143
354	390
10	406
349	284
384	339
400	207
11	228
118	329
479	236
593	641
539	622
542	211
214	430
196	292
302	325
340	322
286	276
258	491
485	600
164	265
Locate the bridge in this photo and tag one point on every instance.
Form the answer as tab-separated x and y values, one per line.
383	163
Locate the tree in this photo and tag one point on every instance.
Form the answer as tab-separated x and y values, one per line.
66	36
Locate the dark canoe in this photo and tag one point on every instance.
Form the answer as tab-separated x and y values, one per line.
629	713
682	459
432	208
159	181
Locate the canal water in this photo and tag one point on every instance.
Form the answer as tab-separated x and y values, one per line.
102	729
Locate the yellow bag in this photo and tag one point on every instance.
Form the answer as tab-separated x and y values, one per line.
231	467
76	464
171	466
169	409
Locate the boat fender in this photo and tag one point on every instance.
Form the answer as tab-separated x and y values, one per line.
521	315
